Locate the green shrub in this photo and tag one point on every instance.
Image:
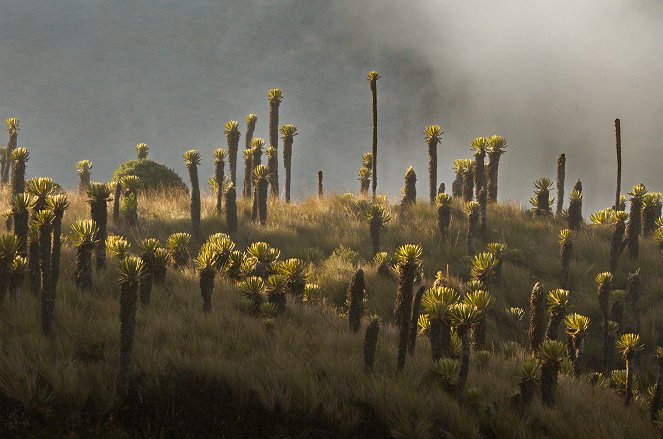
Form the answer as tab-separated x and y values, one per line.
153	175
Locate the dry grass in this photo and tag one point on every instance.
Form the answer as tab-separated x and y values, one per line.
198	375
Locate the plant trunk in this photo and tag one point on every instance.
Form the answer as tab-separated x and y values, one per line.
561	176
432	170
84	267
262	202
287	162
116	203
18	178
195	203
374	150
231	209
405	286
356	293
207	288
658	393
11	146
370	345
465	358
479	334
47	297
99	214
618	138
553	325
414	320
628	395
274	142
33	266
321	193
218	178
127	328
443	221
549	383
493	167
55	253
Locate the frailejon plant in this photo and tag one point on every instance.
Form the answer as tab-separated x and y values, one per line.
9	247
498	250
19	267
566	238
414	319
219	175
464	316
408	259
130	275
377	217
13	126
617	309
274	97
634	226
472	210
288	132
575	209
83	236
321	191
603	288
295	271
433	136
370	343
21	205
83	169
618	241
558	302
443	202
651	211
478	146
561	176
148	248
261	176
634	290
130	186
468	180
577	326
276	287
57	204
251	120
98	196
551	353
44	222
356	292
541	201
496	148
261	260
191	161
19	158
381	261
437	320
206	264
118	247
457	184
230	195
116	202
482	301
528	379
161	262
628	345
372	78
364	177
231	130
252	289
142	150
447	371
409	191
177	245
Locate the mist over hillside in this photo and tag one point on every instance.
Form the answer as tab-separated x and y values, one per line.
90	79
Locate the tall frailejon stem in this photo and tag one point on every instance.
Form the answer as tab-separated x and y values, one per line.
618	141
19	158
288	132
356	293
131	272
83	236
373	77
496	147
117	196
231	130
44	221
444	202
537	322
433	135
370	343
604	287
57	204
230	195
9	246
251	120
657	397
98	196
561	176
83	169
617	243
148	251
416	312
219	175
260	182
274	97
634	226
13	126
192	160
321	191
408	264
565	251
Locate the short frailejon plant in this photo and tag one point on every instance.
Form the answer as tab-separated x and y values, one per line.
276	286
191	161
628	345
499	251
551	353
541	201
206	263
231	130
356	292
130	275
377	217
19	157
528	379
370	343
274	97
219	176
443	202
651	211
464	316
561	176
496	148
436	321
364	177
472	210
433	136
409	191
483	267
230	195
482	301
178	247
9	246
604	287
447	371
17	271
98	196
577	326
295	271
558	302
566	237
83	236
408	259
148	248
634	227
575	210
118	247
130	185
83	169
288	132
261	175
142	150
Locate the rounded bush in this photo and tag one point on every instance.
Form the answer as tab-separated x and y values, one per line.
153	175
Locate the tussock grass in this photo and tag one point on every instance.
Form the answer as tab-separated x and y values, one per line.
201	375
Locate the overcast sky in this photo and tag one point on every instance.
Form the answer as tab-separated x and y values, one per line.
91	78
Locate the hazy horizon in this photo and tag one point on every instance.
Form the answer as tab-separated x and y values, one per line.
90	79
